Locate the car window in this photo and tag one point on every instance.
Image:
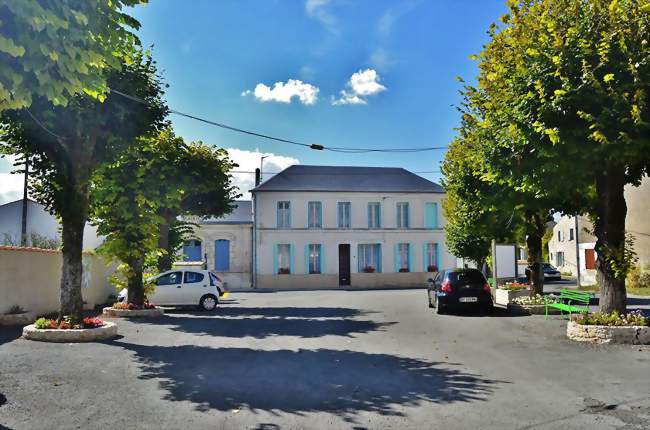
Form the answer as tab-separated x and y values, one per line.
173	278
467	277
192	277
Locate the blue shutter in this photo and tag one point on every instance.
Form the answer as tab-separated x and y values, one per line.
222	255
429	215
435	215
436	248
291	259
410	255
275	259
322	259
289	209
396	257
307	259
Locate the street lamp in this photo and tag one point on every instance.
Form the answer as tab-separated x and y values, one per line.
262	165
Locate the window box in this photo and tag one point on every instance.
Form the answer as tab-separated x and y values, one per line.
432	268
284	271
403	270
368	269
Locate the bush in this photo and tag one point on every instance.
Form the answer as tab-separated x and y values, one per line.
634	318
42	323
638	277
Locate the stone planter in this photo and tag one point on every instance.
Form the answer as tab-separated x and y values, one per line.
108	331
504	297
17	319
532	309
602	334
135	313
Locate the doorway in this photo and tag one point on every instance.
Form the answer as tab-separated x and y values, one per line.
344	264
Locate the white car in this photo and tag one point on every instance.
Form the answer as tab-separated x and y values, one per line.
183	287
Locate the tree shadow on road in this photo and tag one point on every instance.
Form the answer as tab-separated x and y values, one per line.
278	312
298	382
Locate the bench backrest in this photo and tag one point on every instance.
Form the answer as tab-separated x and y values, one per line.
575	296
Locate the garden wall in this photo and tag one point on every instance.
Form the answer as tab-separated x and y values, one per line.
30	278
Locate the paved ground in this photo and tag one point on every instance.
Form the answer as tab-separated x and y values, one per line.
331	359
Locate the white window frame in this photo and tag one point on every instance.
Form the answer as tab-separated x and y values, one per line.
314	214
369	254
284	257
374	215
314	255
403	249
344	220
403	215
284	214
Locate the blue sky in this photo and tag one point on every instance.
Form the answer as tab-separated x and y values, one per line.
408	52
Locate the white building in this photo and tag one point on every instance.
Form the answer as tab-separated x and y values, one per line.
325	227
39	222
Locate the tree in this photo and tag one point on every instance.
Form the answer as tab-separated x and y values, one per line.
570	80
67	144
55	50
161	174
203	188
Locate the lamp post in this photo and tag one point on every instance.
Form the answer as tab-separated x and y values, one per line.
262	165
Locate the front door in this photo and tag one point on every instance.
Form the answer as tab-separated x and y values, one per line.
344	264
222	255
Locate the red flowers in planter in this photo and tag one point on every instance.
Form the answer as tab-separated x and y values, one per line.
67	323
432	268
368	269
284	271
134	307
403	270
93	322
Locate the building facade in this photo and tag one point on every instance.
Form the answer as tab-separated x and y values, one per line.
330	227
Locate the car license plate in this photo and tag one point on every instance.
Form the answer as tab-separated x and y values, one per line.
468	299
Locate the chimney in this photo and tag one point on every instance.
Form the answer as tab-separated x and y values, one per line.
257	177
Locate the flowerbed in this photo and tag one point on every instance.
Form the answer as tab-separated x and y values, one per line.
132	306
537	299
602	328
634	318
513	286
68	323
535	305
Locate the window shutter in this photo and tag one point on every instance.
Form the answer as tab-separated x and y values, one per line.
275	259
307	259
291	259
397	257
425	261
436	248
410	255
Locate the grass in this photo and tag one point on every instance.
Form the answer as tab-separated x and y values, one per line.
634	291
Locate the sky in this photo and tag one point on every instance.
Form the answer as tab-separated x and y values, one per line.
346	73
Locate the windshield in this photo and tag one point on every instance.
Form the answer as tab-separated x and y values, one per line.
467	277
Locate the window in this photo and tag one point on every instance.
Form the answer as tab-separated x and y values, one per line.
402	215
431	257
283	259
570	234
192	277
369	257
431	215
403	257
314	215
559	259
374	215
284	215
192	250
314	258
173	278
344	215
559	235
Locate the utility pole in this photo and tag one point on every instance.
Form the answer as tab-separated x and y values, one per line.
577	236
23	224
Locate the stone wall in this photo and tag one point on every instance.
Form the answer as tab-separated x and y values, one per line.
636	335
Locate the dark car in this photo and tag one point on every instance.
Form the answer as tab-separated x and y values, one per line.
459	288
550	273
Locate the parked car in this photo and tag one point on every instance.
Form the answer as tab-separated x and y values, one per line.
184	287
550	273
459	288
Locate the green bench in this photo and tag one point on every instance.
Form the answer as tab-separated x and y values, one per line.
570	301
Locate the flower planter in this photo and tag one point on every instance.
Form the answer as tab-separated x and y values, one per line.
17	319
603	334
504	297
532	309
133	313
107	331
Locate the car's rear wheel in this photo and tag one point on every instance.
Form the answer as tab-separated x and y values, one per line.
208	302
441	309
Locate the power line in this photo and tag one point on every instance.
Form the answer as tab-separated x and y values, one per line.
279	139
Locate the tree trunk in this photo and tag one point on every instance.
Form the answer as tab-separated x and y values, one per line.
166	260
72	271
534	233
609	228
135	283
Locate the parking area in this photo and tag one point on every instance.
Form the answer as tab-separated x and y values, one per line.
326	359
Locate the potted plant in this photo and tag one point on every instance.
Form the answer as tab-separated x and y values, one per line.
602	328
68	329
368	269
403	270
284	271
508	291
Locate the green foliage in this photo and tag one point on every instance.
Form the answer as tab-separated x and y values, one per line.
42	323
635	318
119	278
622	258
34	240
638	277
548	235
58	49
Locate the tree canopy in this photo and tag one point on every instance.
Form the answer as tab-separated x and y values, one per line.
55	50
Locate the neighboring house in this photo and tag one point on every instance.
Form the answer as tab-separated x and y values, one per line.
324	227
562	247
39	221
224	244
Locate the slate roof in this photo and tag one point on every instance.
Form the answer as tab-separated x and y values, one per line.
348	179
241	214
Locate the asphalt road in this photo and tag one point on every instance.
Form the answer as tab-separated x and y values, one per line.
326	360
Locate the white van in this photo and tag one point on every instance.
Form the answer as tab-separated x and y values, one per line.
183	287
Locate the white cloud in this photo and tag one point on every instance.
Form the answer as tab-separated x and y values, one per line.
317	9
250	160
361	84
11	187
285	92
